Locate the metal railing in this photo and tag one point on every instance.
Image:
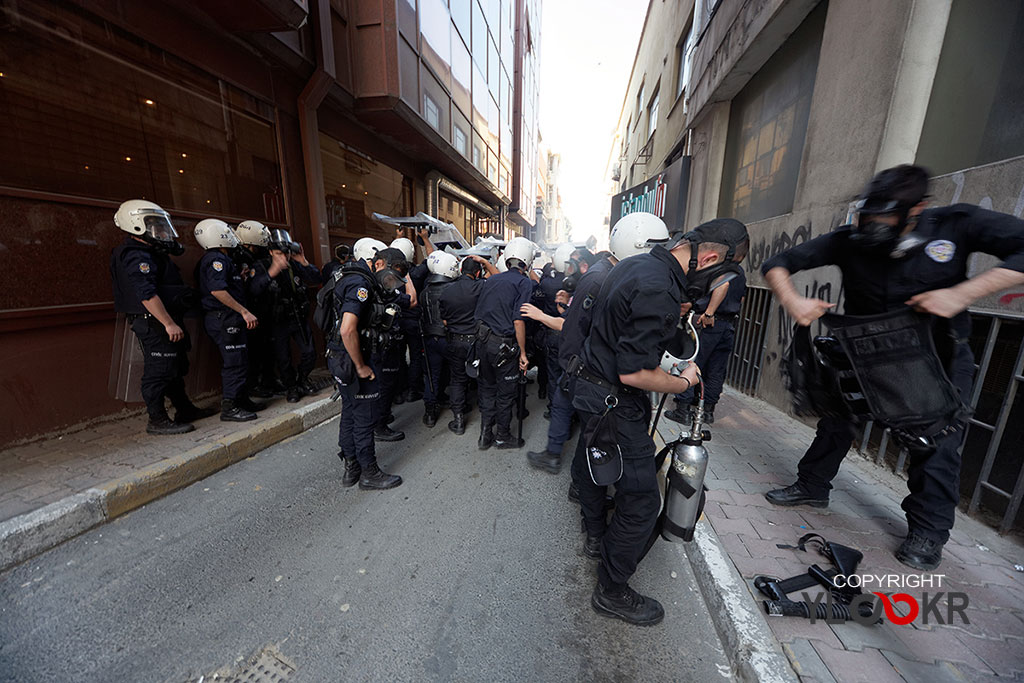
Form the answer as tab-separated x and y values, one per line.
744	369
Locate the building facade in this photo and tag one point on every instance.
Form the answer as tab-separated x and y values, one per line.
310	115
790	106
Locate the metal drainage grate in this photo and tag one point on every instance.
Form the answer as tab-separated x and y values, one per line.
268	666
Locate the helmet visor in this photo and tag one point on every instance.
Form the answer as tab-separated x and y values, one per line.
158	226
280	236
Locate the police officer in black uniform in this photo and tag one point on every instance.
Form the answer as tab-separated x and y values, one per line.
222	290
900	253
501	343
365	314
411	387
263	266
342	255
387	360
149	290
717	323
458	310
289	316
635	319
444	269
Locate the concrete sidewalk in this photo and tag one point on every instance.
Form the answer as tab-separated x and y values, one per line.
52	489
755	448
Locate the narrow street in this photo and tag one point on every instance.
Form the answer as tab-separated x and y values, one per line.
471	570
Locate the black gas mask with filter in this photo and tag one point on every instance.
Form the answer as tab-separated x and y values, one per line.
885	238
728	231
281	240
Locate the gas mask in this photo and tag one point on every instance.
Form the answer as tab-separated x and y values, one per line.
282	241
881	238
391	282
727	231
700	283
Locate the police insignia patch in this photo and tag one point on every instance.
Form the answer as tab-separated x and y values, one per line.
218	266
362	294
940	251
144	267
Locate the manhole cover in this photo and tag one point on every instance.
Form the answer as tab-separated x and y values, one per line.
268	666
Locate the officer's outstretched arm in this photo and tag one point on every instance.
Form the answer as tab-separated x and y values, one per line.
948	302
350	338
658	380
803	310
222	296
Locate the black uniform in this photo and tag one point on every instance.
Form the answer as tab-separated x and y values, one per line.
412	336
876	284
360	407
434	339
216	271
716	344
634	319
289	309
261	354
544	298
497	309
458	310
139	272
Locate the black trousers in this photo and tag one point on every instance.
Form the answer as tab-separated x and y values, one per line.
227	329
436	380
281	338
497	388
628	536
458	387
413	341
360	405
165	364
933	477
713	359
387	365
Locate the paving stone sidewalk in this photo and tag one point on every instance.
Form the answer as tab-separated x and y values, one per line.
755	447
44	471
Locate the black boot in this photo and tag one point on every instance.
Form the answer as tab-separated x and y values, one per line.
309	387
679	414
250	405
231	411
458	424
592	547
352	470
796	494
163	425
430	413
295	394
262	392
545	460
574	492
486	439
920	552
398	399
385	433
627	605
374	478
191	413
508	442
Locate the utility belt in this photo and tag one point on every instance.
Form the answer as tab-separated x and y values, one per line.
576	368
485	334
727	317
132	317
467	338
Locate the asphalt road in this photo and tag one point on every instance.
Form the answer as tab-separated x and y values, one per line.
470	571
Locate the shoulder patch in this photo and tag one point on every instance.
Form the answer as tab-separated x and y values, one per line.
362	294
218	266
940	251
144	267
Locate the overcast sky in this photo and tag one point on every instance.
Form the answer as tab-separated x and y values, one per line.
587	50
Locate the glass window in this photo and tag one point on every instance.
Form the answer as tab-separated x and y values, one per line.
767	128
640	104
479	37
460	141
481	97
652	115
355	186
435	26
462	74
493	68
431	112
435	104
684	55
974	112
462	16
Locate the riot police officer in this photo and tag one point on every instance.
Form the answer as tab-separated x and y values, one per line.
289	315
635	319
444	268
149	290
263	266
226	319
501	343
897	254
389	265
717	323
458	310
410	388
364	320
342	254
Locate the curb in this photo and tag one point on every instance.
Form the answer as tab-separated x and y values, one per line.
749	643
35	532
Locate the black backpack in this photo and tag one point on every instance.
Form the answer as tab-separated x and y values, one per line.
325	316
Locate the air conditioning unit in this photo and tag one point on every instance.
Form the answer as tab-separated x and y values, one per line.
616	172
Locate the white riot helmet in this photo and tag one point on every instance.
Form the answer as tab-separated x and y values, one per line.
366	248
562	256
520	248
501	265
213	233
444	264
148	222
253	233
404	245
636	233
